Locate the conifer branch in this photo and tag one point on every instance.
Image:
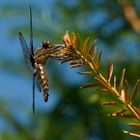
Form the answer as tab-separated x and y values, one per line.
77	56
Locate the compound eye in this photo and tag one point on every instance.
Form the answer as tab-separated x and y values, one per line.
46	44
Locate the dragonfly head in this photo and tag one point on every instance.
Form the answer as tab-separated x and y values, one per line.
46	44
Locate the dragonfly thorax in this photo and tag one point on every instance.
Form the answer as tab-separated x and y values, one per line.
40	56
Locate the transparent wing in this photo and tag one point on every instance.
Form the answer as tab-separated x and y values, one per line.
33	86
27	53
31	33
38	85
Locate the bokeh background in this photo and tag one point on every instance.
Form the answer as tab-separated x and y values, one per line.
70	113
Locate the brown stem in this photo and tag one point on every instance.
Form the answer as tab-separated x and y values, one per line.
130	14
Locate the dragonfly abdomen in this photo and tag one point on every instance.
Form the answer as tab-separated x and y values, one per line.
43	80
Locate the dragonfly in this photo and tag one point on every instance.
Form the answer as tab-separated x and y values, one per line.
36	60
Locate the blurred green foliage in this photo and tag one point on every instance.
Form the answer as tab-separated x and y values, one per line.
77	114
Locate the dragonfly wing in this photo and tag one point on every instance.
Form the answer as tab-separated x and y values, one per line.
31	33
38	85
33	86
27	53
